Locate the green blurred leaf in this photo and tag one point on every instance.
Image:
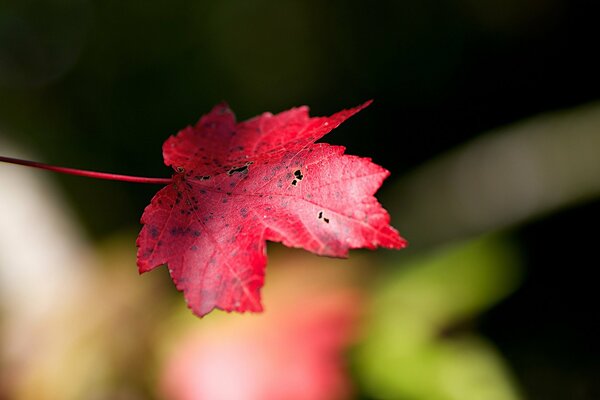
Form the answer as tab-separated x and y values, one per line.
412	348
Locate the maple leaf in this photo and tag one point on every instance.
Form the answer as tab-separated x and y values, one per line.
237	185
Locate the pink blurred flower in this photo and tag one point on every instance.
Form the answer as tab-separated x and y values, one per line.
293	351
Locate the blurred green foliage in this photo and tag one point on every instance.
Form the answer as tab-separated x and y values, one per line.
420	340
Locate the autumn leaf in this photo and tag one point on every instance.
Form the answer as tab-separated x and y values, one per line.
237	185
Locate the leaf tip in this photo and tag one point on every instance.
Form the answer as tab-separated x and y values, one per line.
221	108
366	104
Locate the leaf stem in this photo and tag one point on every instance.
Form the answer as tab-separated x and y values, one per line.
89	174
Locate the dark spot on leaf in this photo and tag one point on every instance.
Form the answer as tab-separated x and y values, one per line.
294	182
180	170
178	231
196	233
326	220
202	191
244	212
298	174
154	232
320	214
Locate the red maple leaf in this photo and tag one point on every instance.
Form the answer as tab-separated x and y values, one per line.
237	185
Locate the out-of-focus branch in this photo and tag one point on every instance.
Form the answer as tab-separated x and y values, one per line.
501	179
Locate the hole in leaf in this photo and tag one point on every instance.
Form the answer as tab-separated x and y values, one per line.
241	170
326	220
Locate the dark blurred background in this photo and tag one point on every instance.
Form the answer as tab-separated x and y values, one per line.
101	84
